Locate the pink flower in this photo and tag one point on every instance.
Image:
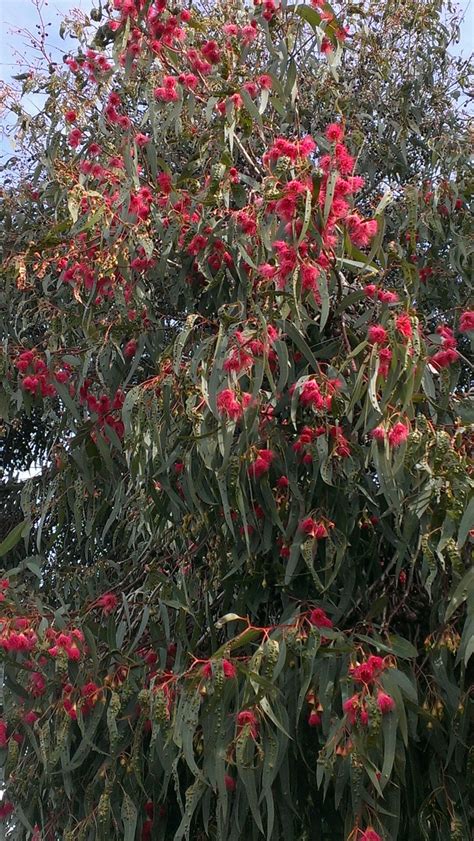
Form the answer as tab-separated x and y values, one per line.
320	619
334	133
283	482
314	719
130	349
70	116
247	718
207	669
306	146
313	528
376	663
351	707
229	782
37	685
385	358
377	334
164	182
378	433
385	702
229	669
6	808
466	322
230	29
73	652
310	395
228	405
443	358
363	673
262	463
403	325
108	602
398	434
74	138
387	297
265	81
3	734
370	835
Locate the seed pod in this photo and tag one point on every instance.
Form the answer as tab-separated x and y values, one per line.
12	757
271	651
112	711
159	711
103	808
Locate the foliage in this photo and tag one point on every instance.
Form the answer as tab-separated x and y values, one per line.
238	599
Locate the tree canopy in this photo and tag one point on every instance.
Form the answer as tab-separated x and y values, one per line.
237	598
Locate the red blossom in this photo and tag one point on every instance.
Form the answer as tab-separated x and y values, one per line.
404	326
314	528
3	734
108	602
466	322
378	434
398	434
262	463
370	835
385	702
377	334
6	808
320	619
229	669
248	719
351	707
334	133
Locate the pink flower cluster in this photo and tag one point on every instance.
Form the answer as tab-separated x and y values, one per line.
356	709
367	673
315	528
228	668
396	436
317	395
448	354
68	643
17	635
107	410
304	442
466	322
284	148
383	295
369	670
39	381
229	406
262	463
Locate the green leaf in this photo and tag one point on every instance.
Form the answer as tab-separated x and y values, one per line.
389	730
463	591
129	814
13	538
465	526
